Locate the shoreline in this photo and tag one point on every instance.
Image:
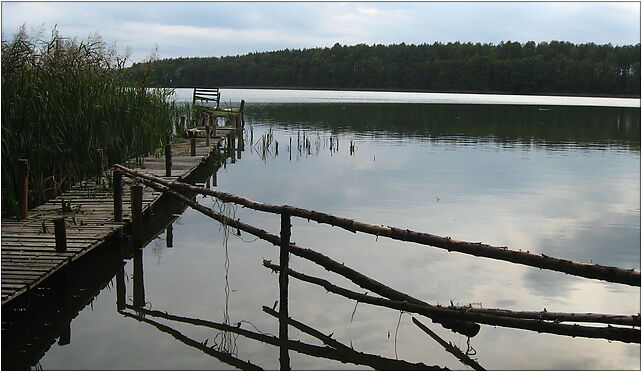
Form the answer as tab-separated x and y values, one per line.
417	91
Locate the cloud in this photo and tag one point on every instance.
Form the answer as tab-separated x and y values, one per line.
224	28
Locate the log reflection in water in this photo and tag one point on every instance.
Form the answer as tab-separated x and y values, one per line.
139	282
326	339
222	356
454	350
169	240
353	356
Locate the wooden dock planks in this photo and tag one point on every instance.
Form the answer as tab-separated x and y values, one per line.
28	246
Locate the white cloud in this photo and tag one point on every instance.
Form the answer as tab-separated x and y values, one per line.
201	28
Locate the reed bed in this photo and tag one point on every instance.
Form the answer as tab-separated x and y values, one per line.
63	100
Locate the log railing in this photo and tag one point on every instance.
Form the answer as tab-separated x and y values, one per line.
461	319
542	261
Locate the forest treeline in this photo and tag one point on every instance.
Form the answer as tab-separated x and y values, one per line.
554	67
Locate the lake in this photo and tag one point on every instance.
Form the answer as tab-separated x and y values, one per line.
552	175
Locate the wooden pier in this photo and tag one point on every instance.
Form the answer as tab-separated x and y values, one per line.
30	251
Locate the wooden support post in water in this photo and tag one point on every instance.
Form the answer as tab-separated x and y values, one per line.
241	108
192	145
284	258
137	213
139	283
118	195
168	160
24	187
61	234
239	145
232	145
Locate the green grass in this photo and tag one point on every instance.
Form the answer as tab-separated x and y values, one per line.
62	100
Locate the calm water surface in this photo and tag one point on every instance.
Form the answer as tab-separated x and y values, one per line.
560	180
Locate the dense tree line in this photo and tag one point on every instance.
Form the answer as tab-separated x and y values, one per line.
510	67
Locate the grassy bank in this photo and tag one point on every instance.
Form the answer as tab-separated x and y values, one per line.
62	100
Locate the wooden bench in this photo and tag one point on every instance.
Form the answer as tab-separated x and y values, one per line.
207	95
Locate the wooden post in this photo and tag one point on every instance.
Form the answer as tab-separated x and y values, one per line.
233	145
241	108
183	120
118	195
239	144
192	144
168	160
207	134
61	234
284	258
137	213
101	169
24	187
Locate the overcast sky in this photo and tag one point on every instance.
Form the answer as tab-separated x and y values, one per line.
230	28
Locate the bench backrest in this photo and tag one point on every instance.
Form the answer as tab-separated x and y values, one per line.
205	95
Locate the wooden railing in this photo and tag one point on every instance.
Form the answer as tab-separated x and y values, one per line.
462	319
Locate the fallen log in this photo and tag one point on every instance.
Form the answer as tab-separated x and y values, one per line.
575	330
542	261
390	293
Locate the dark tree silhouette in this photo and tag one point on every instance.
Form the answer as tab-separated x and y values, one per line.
555	67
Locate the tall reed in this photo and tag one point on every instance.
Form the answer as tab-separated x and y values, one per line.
62	100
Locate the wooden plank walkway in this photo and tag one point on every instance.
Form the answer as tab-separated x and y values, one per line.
28	246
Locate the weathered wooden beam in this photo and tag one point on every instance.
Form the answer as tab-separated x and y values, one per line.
168	160
61	234
118	194
136	211
592	271
628	335
284	257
